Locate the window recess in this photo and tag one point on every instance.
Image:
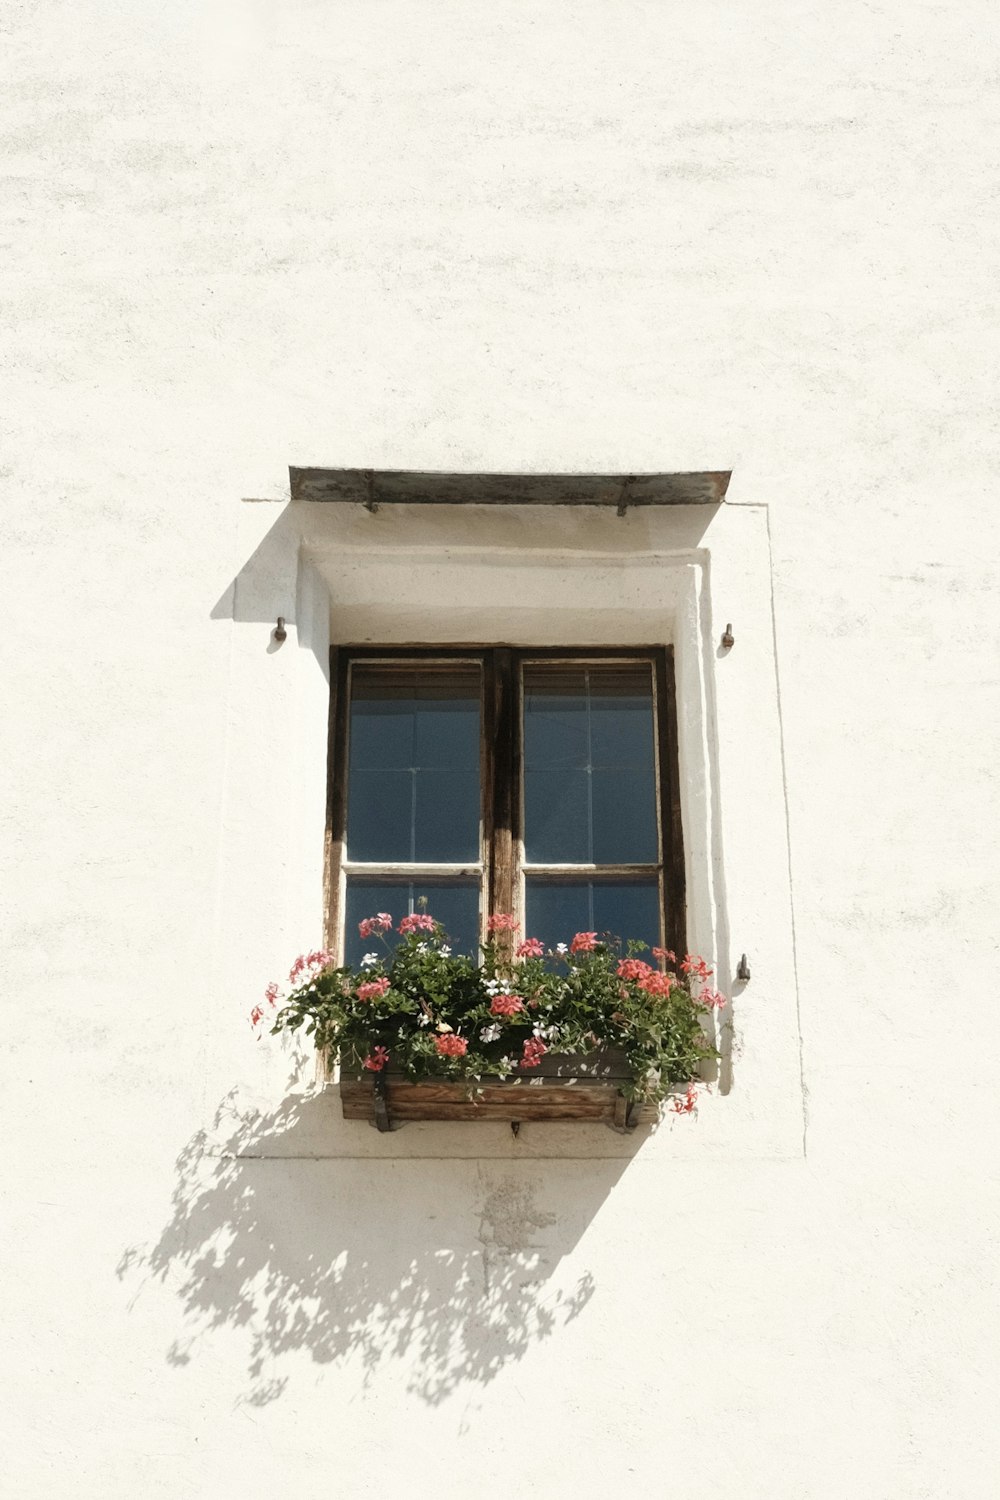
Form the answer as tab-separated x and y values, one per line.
542	782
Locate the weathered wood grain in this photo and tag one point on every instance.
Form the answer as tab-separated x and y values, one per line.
522	1100
375	487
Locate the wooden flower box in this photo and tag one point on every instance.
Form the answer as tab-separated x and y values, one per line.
564	1087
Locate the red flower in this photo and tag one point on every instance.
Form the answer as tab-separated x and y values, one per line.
685	1104
531	948
320	958
712	999
373	989
417	923
377	1059
655	983
692	964
665	955
506	1005
381	922
502	921
271	993
633	968
534	1050
450	1045
256	1016
584	942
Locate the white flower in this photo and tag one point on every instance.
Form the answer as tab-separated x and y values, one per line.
423	1020
490	1033
368	960
421	948
561	948
491	986
445	951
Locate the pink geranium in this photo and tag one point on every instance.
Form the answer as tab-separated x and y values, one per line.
531	948
584	942
373	989
380	922
713	999
451	1045
502	921
687	1103
655	983
377	1059
310	964
418	922
534	1050
506	1005
693	965
665	955
633	968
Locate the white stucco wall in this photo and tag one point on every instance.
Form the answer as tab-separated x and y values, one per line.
556	237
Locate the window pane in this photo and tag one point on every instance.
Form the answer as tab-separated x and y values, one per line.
557	813
556	909
413	766
589	765
455	904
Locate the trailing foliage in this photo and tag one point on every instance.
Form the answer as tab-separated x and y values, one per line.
420	1008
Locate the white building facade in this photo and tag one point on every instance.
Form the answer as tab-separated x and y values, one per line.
747	241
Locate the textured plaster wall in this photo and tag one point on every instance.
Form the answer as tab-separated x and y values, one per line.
452	235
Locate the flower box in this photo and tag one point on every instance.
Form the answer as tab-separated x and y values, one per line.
576	1032
584	1087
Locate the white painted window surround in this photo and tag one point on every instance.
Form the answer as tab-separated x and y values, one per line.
541	576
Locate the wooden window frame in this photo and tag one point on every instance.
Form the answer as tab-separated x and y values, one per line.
501	867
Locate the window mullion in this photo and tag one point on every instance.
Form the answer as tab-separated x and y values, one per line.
504	806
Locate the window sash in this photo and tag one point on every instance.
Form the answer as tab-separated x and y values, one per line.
573	872
502	870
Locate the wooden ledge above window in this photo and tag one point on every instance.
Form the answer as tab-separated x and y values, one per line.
374	487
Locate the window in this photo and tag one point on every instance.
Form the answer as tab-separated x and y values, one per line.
542	782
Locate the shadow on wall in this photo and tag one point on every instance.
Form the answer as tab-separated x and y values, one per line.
449	1268
264	586
266	583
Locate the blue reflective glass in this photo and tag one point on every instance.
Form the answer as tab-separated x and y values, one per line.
589	765
557	816
455	904
556	909
413	791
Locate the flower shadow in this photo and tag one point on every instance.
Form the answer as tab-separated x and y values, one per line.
450	1268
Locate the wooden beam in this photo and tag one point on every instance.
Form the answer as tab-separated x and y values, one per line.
375	487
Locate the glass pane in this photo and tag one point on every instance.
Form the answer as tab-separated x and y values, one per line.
455	904
557	811
556	909
413	764
589	765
